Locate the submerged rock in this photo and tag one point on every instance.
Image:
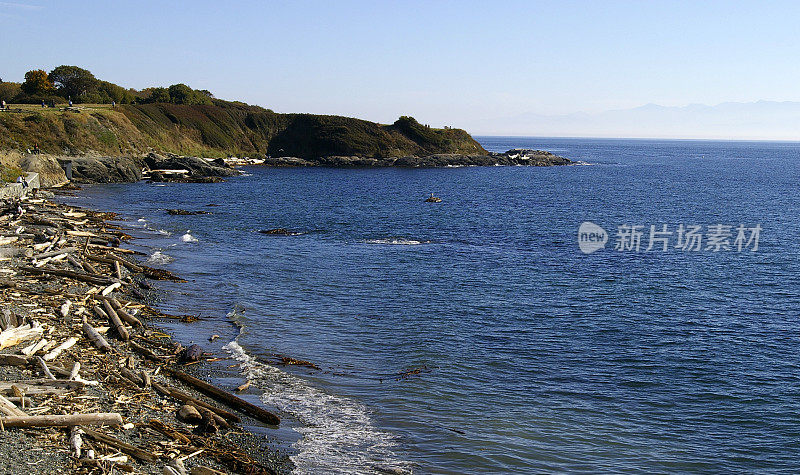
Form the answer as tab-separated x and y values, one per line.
183	212
279	232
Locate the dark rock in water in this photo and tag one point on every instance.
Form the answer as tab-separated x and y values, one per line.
526	156
202	179
183	212
278	232
192	353
106	170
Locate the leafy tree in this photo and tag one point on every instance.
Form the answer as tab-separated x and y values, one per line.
115	93
73	81
37	83
181	94
158	94
9	91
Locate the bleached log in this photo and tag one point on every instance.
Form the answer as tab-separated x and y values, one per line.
76	368
110	288
55	352
75	441
59	420
8	408
64	310
34	347
44	367
85	234
57	252
95	337
28	384
15	336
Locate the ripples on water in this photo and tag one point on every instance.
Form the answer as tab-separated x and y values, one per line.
534	356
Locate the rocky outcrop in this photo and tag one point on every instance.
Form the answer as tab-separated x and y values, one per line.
196	169
47	166
527	157
106	169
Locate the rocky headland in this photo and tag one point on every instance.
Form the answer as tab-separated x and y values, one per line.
165	142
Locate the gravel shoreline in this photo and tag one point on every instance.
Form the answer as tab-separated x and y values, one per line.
51	254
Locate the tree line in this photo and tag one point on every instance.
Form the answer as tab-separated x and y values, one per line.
72	83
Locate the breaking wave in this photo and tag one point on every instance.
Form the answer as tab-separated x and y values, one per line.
337	433
159	257
187	237
397	242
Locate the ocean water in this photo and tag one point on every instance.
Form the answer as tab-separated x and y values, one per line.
473	335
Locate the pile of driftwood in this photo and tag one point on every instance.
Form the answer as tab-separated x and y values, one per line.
80	354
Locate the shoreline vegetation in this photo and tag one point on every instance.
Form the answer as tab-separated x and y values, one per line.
86	378
70	114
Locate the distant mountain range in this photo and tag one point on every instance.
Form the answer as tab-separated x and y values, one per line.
762	120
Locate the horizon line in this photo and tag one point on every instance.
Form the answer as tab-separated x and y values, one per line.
676	139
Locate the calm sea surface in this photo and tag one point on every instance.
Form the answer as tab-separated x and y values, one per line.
472	335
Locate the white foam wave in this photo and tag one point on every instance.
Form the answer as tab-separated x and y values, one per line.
397	242
163	232
159	257
188	237
338	435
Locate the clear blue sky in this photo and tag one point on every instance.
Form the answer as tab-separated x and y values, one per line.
444	62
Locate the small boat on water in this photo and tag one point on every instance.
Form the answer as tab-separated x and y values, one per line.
433	199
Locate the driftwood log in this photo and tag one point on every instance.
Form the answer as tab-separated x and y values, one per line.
16	335
89	278
95	337
224	396
113	318
59	420
183	397
120	445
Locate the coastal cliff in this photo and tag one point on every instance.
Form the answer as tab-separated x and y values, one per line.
220	129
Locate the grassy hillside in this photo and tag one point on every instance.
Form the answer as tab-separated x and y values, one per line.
218	130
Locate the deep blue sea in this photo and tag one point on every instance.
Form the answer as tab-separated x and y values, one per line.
473	335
